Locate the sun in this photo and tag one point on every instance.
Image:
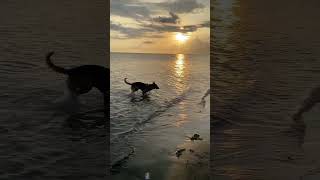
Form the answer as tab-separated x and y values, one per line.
180	37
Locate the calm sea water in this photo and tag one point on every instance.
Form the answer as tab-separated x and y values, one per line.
38	140
145	133
265	64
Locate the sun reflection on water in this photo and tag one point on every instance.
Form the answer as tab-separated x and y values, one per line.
180	65
180	82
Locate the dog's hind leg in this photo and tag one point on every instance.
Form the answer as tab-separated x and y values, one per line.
133	89
144	93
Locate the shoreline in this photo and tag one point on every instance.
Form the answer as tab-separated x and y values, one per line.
192	163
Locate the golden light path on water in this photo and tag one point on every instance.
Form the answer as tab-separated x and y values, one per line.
179	65
180	84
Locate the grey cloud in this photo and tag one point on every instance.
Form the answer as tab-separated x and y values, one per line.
129	8
148	42
189	28
205	24
151	30
127	32
142	11
173	19
172	28
154	30
131	33
182	6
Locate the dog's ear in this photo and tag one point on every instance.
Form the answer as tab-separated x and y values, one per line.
153	82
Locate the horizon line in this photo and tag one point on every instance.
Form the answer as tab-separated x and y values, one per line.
159	53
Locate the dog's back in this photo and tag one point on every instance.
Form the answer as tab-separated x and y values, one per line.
81	79
94	75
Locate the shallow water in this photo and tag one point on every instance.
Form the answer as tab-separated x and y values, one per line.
264	65
145	133
38	139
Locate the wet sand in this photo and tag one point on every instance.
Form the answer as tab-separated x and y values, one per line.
265	62
192	164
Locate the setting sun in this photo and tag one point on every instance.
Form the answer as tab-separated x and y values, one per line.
181	37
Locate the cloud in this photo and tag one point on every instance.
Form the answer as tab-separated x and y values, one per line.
182	6
173	19
129	8
205	24
142	10
162	28
152	27
152	30
132	33
126	32
148	42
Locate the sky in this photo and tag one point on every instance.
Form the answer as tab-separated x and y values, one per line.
160	26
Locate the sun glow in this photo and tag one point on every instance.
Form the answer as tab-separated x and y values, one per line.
180	37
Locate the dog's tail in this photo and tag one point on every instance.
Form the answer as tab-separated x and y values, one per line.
54	67
125	80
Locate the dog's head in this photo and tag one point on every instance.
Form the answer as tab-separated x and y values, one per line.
155	86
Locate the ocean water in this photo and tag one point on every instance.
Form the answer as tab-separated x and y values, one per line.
265	62
146	132
39	139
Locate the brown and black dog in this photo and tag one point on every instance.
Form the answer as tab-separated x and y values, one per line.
144	87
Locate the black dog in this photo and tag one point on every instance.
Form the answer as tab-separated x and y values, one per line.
83	78
142	86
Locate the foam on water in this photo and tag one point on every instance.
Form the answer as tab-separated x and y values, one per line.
68	102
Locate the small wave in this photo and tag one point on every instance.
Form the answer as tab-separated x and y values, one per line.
18	63
118	164
9	70
31	95
169	104
15	66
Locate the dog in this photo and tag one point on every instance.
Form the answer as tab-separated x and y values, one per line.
83	78
135	86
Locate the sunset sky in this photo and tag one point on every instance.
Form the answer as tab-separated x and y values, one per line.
160	26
